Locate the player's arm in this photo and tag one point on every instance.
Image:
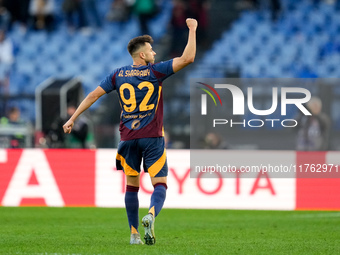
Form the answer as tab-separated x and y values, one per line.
84	105
189	52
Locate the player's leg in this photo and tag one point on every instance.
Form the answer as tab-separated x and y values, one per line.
129	159
132	202
132	207
156	164
157	201
159	194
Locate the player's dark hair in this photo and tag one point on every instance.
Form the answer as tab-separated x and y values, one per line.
138	42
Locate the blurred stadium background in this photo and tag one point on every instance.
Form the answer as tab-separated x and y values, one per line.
246	39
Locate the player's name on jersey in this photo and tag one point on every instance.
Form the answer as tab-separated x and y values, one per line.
136	116
135	72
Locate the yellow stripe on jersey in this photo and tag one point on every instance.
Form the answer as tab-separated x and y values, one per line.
128	170
158	165
159	96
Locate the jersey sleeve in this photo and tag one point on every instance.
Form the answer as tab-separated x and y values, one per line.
109	83
163	69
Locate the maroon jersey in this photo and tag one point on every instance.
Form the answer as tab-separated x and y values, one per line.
139	90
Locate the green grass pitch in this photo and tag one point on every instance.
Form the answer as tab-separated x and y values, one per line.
43	230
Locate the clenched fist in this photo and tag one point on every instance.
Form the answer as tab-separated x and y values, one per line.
192	23
68	126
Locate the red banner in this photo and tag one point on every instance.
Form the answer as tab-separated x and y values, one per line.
47	177
317	193
64	177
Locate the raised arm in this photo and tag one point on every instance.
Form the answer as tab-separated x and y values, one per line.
189	52
84	105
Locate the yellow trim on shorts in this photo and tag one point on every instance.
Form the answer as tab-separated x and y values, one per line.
128	170
158	165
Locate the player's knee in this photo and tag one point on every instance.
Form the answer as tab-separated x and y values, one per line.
132	181
155	180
